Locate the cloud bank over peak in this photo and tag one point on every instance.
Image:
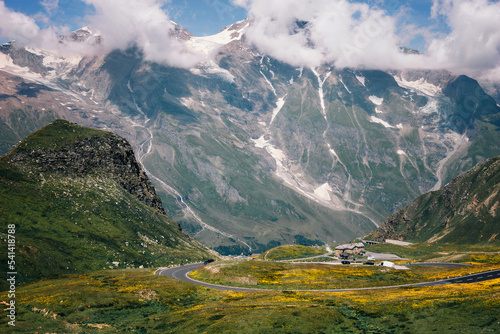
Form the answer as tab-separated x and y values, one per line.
17	26
473	44
343	33
142	23
354	34
314	32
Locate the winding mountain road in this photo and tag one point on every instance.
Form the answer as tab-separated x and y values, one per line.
181	272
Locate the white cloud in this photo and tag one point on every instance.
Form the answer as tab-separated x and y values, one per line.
17	26
143	23
299	32
49	8
473	45
335	31
121	25
50	5
353	34
25	32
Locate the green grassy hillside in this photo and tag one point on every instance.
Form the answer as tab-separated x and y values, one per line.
80	203
288	252
466	211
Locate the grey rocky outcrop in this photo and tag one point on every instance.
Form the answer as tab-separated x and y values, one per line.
104	154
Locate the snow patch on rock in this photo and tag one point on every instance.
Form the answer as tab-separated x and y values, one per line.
320	90
420	86
295	180
376	100
279	104
361	79
347	89
374	119
323	192
207	45
430	107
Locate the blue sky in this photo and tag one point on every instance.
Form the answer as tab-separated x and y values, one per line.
205	17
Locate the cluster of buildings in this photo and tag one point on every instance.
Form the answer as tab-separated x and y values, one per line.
345	250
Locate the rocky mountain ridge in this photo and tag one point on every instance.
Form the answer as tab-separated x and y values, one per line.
102	154
464	211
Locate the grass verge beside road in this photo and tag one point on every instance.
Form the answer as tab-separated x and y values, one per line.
315	276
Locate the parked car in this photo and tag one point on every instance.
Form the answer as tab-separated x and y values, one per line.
346	262
209	261
369	263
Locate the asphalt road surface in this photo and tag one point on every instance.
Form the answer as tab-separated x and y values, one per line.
384	256
479	277
181	272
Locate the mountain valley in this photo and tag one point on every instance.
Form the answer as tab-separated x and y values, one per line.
247	152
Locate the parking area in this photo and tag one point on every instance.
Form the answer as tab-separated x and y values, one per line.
384	256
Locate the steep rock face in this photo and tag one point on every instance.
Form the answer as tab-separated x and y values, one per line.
80	154
471	103
467	210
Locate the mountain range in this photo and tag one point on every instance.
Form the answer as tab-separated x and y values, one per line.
247	152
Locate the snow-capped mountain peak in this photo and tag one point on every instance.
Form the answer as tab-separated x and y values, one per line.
207	45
